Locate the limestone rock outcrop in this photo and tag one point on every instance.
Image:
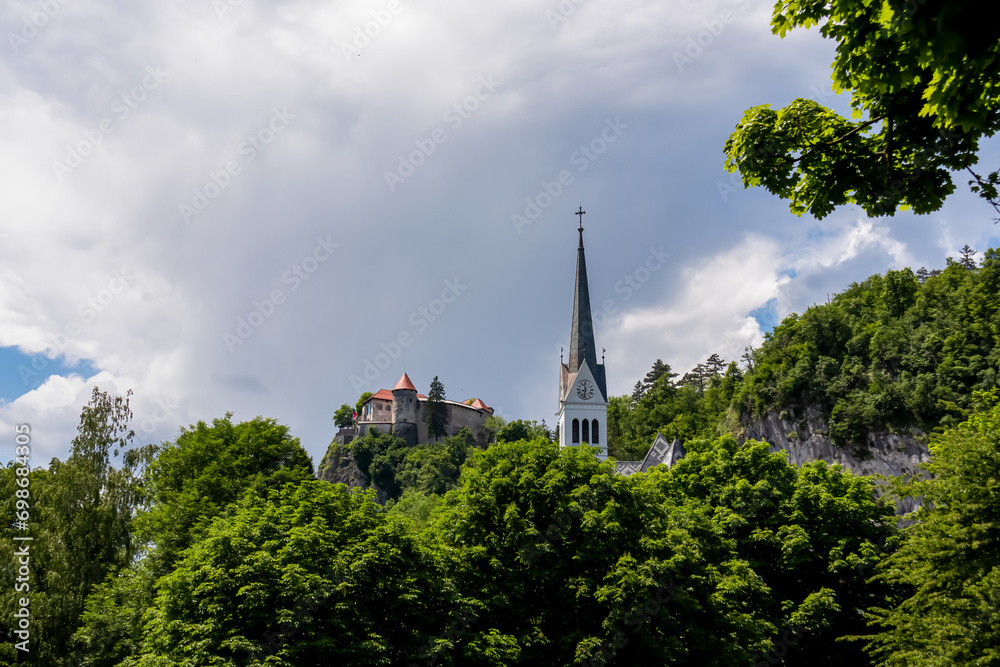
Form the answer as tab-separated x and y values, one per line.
338	466
804	435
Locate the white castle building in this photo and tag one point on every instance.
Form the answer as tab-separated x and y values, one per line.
403	411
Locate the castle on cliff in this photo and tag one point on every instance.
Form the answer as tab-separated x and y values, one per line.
403	412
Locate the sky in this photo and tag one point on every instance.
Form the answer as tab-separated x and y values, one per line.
266	208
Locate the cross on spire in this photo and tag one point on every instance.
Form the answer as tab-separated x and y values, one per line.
581	213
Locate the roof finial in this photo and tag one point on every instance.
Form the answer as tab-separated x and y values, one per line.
581	213
560	354
603	350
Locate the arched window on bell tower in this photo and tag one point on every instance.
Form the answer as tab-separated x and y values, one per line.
576	431
586	431
595	434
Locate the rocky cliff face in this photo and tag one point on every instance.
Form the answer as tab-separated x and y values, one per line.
338	466
804	435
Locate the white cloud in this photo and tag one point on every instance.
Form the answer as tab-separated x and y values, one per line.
715	295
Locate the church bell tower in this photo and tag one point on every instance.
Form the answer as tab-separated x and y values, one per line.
583	390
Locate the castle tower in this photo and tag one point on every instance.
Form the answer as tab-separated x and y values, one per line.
404	410
583	391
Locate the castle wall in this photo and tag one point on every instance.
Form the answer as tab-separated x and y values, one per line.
378	410
459	416
395	414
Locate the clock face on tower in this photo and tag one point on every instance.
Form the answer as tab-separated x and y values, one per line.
585	389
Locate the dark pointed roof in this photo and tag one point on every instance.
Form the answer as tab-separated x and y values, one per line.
581	338
661	453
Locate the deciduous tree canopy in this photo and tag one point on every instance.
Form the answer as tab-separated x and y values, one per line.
924	81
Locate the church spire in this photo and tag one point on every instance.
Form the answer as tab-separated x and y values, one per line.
581	339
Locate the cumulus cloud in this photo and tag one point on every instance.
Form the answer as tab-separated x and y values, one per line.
723	300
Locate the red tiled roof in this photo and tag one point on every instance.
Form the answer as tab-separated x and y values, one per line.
477	404
383	394
404	383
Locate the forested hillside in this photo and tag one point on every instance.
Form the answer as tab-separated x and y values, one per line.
894	352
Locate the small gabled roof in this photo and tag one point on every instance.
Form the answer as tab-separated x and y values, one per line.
383	394
478	404
404	383
663	452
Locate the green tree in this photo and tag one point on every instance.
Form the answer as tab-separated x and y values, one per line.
968	257
81	526
111	628
437	411
343	417
658	370
493	425
521	429
377	456
924	80
813	534
619	426
637	391
310	575
715	364
572	562
948	569
207	468
428	469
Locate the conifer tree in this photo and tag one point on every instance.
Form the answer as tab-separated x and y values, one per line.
637	391
968	257
659	369
437	411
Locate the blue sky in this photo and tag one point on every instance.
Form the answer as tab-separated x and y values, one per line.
26	372
241	206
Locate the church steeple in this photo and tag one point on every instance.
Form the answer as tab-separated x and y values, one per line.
583	389
581	338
